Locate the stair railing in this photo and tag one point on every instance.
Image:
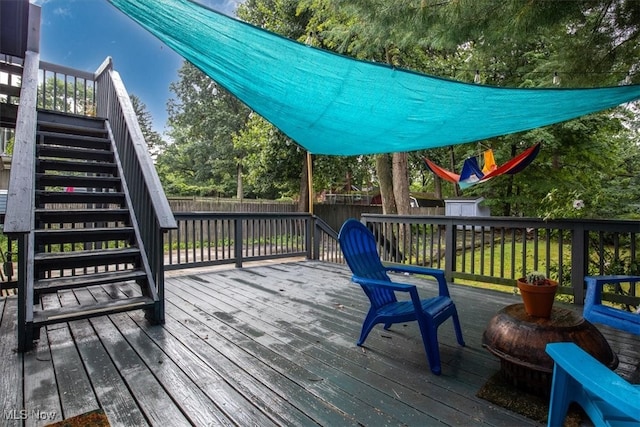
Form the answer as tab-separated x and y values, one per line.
149	202
66	90
19	217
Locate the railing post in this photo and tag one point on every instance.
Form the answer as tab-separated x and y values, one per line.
450	250
579	261
22	287
237	241
312	240
158	275
25	292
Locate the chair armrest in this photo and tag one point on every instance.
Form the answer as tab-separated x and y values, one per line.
614	278
443	289
595	284
596	378
401	287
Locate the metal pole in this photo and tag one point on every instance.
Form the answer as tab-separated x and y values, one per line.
310	181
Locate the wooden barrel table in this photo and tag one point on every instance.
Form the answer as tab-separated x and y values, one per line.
519	341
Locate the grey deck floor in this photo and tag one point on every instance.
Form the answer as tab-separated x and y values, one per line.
258	346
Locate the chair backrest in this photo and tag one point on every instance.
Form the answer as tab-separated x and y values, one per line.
603	394
358	245
596	312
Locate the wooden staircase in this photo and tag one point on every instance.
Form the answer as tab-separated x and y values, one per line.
85	232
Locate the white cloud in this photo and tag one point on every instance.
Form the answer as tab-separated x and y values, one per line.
62	11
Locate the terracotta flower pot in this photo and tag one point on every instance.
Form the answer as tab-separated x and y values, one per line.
538	300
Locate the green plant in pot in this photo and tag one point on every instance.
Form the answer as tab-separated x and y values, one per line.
538	293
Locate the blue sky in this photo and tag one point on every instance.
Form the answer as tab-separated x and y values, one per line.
82	33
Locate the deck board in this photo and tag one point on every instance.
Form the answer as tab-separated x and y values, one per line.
73	385
267	345
11	365
150	394
190	399
40	387
289	380
319	375
110	389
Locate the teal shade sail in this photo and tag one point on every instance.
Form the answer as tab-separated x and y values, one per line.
332	104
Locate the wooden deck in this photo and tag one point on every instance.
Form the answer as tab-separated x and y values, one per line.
259	346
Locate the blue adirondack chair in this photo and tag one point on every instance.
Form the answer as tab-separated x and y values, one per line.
607	398
594	311
358	245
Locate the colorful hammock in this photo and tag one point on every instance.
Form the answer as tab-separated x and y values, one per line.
472	174
332	104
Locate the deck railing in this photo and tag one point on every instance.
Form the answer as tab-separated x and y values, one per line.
213	238
494	251
208	238
66	90
498	251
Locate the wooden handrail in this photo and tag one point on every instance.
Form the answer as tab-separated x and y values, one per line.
20	196
161	207
61	69
107	65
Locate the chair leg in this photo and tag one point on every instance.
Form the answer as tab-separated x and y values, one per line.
367	325
456	327
559	401
429	333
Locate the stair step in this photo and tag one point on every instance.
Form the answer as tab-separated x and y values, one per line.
54	284
73	153
85	258
73	140
68	314
77	235
68	128
77	181
77	166
113	197
89	216
74	122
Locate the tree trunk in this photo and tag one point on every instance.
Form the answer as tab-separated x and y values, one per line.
400	173
403	203
383	169
240	189
437	187
303	203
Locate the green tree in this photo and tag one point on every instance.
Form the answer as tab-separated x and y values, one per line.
271	161
339	29
154	141
272	164
279	16
201	160
511	43
595	40
526	44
